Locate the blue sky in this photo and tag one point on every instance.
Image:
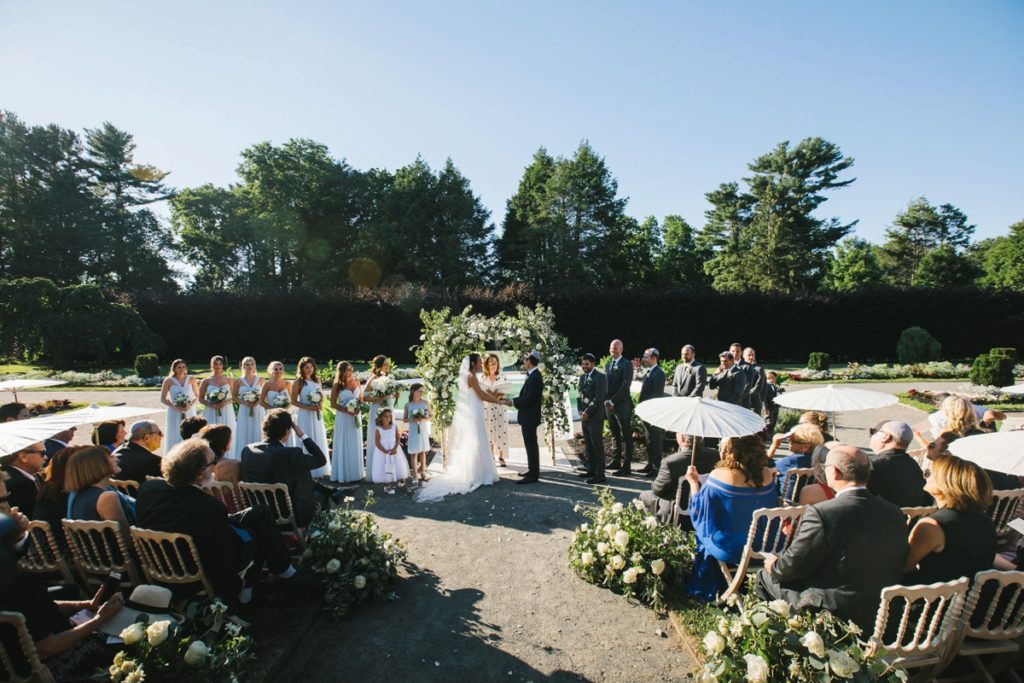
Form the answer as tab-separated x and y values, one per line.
677	96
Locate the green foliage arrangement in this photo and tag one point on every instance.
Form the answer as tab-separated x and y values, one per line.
147	365
818	360
766	642
628	551
355	559
917	346
993	369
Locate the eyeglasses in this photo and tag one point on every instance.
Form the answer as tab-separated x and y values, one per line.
35	452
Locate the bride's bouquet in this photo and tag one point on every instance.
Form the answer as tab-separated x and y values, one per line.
383	386
352	405
281	400
252	397
419	414
313	397
217	395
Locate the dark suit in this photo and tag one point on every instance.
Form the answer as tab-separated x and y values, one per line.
653	387
52	446
590	402
22	490
689	379
846	550
756	383
275	463
770	406
136	462
731	385
897	477
666	484
527	405
619	376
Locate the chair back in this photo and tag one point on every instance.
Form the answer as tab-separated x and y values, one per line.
1004	509
915	513
917	624
771	532
126	486
276	497
994	608
99	548
796	479
169	558
43	554
37	671
225	492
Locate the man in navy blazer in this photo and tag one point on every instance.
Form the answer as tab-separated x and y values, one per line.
528	406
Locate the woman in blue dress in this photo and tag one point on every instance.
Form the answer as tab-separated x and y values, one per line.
347	455
722	508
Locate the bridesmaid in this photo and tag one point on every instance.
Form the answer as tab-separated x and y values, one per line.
419	431
250	413
272	392
217	412
178	383
347	457
495	414
310	420
378	369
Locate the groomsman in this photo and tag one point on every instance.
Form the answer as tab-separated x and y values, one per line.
619	408
730	380
757	383
653	387
691	376
591	395
736	349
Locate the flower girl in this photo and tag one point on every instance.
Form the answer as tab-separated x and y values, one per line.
389	465
417	416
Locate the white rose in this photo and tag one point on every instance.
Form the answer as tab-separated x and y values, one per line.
333	565
135	677
621	539
617	562
587	558
650	522
629	576
780	607
115	674
723	625
158	632
759	619
714	643
602	548
814	644
638	504
736	629
196	653
842	664
610	529
359	582
349	499
617	508
757	669
133	634
657	566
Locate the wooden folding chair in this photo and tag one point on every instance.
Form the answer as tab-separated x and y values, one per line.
925	626
768	535
677	505
126	486
225	492
38	672
277	498
43	554
915	513
796	479
992	625
99	548
169	558
1004	509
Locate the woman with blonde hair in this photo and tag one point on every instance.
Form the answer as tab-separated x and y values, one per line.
958	539
178	393
803	439
247	391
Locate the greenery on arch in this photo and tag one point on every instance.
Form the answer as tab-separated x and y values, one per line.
449	337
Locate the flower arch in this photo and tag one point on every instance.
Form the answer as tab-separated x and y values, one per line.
448	337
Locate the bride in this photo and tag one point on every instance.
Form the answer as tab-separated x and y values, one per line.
470	463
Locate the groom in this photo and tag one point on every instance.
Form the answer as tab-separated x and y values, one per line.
528	404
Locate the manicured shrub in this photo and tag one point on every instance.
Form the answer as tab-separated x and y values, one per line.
147	365
818	360
992	370
917	346
1005	352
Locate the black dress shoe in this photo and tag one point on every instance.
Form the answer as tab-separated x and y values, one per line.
614	465
584	474
528	480
651	475
596	480
624	472
523	474
647	469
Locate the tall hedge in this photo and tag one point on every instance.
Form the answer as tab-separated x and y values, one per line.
861	326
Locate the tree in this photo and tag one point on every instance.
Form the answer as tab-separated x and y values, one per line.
524	238
768	238
944	266
213	236
629	252
856	265
1003	260
680	263
916	231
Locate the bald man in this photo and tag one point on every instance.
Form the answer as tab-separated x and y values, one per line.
846	549
618	406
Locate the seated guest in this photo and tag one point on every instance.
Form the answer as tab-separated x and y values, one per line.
660	499
90	495
958	539
802	441
219	438
137	458
819	420
820	490
846	550
190	426
226	543
272	462
895	475
22	469
12	412
957	414
722	509
52	503
110	434
59	441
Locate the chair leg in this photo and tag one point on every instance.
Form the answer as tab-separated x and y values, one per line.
980	668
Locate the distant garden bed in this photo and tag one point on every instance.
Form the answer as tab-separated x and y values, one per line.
936	370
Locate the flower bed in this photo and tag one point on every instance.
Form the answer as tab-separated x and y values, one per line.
104	378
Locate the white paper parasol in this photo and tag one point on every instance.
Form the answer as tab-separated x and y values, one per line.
97	413
1001	451
15	385
699	417
1015	389
20	434
835	399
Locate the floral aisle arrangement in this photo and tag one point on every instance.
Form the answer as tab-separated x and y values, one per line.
355	559
767	642
629	551
208	647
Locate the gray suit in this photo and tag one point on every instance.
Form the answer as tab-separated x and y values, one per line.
619	374
689	379
757	386
673	468
593	390
731	385
653	387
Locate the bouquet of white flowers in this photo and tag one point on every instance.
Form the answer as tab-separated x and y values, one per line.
216	395
252	397
182	400
313	397
281	400
420	414
383	386
353	405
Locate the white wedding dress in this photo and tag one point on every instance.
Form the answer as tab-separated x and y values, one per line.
470	463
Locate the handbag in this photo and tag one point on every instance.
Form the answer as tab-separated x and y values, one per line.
390	467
